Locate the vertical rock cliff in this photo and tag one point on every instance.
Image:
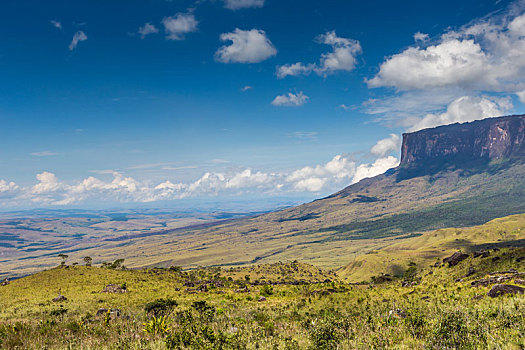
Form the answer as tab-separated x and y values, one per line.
488	139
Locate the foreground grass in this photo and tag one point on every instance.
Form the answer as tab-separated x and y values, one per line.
309	308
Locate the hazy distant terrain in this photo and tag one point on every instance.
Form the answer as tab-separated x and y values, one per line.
31	240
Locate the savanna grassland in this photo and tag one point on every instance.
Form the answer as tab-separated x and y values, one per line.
278	306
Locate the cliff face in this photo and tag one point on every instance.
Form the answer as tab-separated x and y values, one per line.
487	139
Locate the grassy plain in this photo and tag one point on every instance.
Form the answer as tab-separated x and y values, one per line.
303	311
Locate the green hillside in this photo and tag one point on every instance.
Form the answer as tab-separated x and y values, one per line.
279	306
429	247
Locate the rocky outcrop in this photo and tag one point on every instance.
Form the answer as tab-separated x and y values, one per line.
455	258
501	289
113	288
487	139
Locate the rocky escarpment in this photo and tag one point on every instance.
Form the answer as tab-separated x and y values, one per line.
488	139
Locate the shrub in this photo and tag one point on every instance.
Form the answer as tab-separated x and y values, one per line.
160	306
157	325
267	290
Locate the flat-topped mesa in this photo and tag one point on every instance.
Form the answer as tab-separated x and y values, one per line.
486	139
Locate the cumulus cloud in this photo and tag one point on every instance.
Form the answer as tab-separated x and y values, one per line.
78	37
465	109
378	167
290	100
147	29
176	27
7	186
385	146
247	46
341	58
488	55
313	179
340	171
241	4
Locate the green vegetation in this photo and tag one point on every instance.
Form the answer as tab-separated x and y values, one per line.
425	248
304	308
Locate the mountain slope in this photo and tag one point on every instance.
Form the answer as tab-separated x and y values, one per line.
452	176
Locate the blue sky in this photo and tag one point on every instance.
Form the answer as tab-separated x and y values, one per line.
108	102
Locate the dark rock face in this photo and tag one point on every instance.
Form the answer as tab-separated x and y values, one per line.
501	289
487	139
455	258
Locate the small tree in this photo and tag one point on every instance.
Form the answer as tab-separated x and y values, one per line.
117	263
88	260
64	258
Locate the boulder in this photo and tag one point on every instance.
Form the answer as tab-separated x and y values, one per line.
470	272
261	299
482	253
501	289
112	312
455	258
113	288
59	298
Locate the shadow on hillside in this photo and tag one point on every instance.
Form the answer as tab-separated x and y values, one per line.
466	167
470	247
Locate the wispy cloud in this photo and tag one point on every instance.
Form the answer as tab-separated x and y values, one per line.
56	24
147	29
44	154
304	135
342	58
242	4
78	37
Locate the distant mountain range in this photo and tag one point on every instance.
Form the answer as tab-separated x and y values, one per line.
451	176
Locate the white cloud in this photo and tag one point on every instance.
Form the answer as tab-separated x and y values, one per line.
422	37
7	186
339	170
78	37
487	55
56	24
246	88
176	27
378	167
521	96
385	146
241	4
247	46
341	58
147	29
331	176
295	69
290	100
47	183
465	109
452	63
